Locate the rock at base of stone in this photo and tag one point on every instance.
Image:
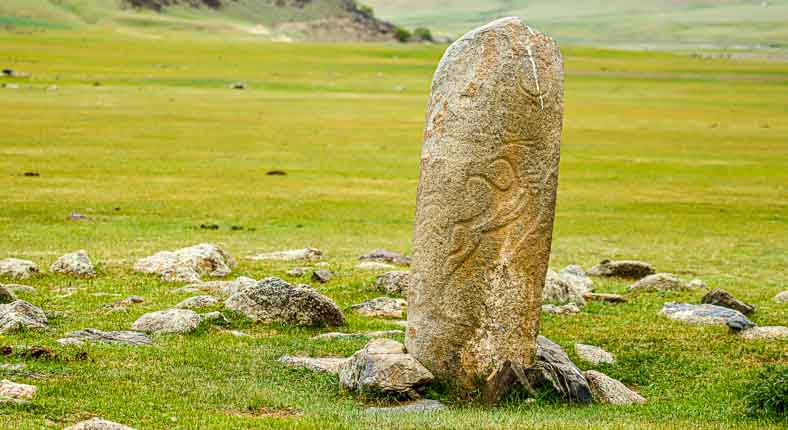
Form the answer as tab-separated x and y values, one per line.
21	314
18	269
706	314
188	264
11	392
386	256
725	299
320	365
567	309
553	367
75	264
577	278
383	368
765	333
385	307
627	269
132	338
307	254
594	354
658	282
419	406
394	283
98	424
170	321
560	292
611	391
274	300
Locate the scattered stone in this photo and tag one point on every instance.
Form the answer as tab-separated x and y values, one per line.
276	173
628	269
226	288
21	314
16	288
322	276
374	265
274	300
75	264
6	295
123	304
238	333
169	321
321	365
10	86
781	297
604	297
98	424
696	284
554	368
307	254
558	291
384	368
569	308
197	302
371	335
723	298
93	335
31	174
52	315
76	216
215	317
575	276
706	314
298	271
238	86
657	282
209	226
385	307
18	269
594	354
386	256
765	333
394	283
188	264
419	406
611	391
11	392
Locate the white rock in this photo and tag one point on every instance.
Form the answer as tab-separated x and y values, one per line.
76	264
594	354
697	284
765	333
18	269
309	254
168	321
781	297
187	264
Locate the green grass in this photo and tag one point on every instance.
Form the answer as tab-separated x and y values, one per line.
675	160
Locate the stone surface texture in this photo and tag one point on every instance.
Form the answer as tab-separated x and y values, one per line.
395	283
627	269
706	314
170	321
383	368
75	264
18	269
725	299
274	300
594	354
188	264
611	391
486	202
21	314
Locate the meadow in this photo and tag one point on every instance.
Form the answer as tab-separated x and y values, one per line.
676	160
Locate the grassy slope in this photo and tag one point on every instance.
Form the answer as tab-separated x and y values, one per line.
650	22
674	160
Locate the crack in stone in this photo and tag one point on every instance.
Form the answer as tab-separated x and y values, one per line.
533	66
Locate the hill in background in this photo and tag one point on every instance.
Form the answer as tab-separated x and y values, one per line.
646	23
323	20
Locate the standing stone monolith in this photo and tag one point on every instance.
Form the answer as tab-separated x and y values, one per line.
486	201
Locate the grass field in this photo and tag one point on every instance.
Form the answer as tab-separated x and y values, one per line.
675	160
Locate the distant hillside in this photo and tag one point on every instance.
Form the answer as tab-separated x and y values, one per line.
322	20
717	23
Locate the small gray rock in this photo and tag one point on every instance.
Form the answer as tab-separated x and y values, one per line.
320	365
628	269
706	314
383	368
386	256
575	276
76	216
697	284
605	297
322	276
657	282
723	298
93	335
297	271
6	295
394	283
188	264
385	307
765	333
307	254
781	297
18	269
21	314
611	391
123	304
419	406
170	321
74	264
215	317
371	334
11	392
197	302
569	308
16	288
374	265
594	354
98	424
560	292
274	300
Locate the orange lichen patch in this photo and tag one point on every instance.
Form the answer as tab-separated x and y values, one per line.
470	90
437	122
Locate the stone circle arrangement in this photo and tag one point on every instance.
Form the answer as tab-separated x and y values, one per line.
469	300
